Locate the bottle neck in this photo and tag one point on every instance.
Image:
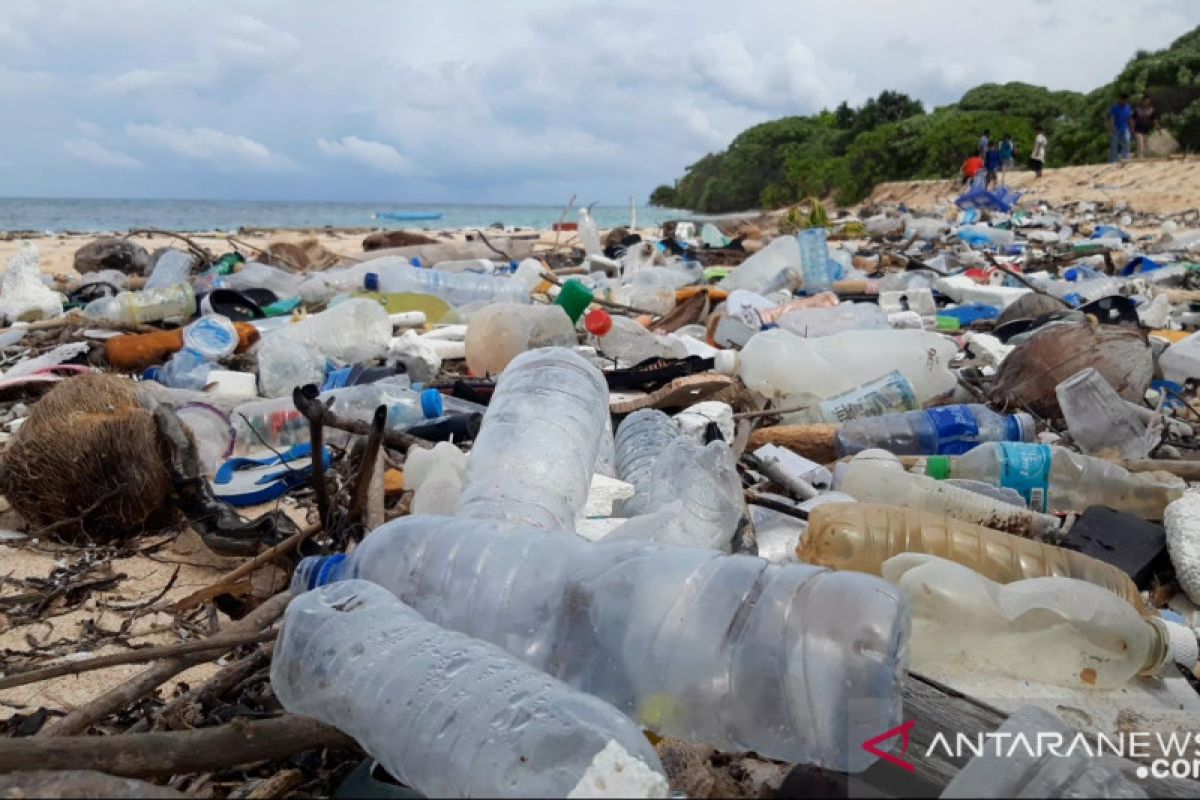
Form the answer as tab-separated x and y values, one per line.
317	571
1158	656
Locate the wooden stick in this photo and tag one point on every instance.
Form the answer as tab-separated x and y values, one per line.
171	715
120	696
817	441
174	752
141	656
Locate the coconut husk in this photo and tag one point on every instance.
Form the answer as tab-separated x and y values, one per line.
90	453
302	256
1028	376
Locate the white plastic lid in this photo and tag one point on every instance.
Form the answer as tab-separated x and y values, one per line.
1185	650
725	361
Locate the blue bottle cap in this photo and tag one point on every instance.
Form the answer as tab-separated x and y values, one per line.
416	262
431	404
371	282
315	571
151	374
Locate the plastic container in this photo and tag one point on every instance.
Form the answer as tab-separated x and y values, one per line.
447	715
945	430
1098	420
641	438
624	339
862	536
876	476
533	459
213	336
1049	630
775	266
267	424
589	234
500	332
172	268
349	332
816	322
814	260
186	369
791	371
795	662
1054	479
283	365
153	305
1181	361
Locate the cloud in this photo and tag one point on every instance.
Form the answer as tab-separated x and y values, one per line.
96	153
225	150
376	155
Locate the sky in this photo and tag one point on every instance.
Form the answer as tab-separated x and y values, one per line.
526	101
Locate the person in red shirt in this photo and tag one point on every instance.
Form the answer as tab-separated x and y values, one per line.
970	168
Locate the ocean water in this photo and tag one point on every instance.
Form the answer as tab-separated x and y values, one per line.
92	215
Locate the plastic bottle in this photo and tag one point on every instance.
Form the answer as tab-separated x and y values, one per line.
945	430
533	459
1054	479
726	650
624	339
261	276
774	266
814	260
816	322
986	235
349	332
862	536
792	371
641	438
1012	770
589	234
499	332
478	266
1098	419
457	289
1049	630
172	268
446	714
891	394
877	476
1181	361
284	365
186	369
267	424
153	305
435	477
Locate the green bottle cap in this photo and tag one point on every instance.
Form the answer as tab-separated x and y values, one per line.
574	298
938	467
948	323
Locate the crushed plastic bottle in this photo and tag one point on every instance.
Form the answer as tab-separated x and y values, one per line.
816	322
172	268
349	332
152	305
815	658
775	266
641	438
446	714
284	365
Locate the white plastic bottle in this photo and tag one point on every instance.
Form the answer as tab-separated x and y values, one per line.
435	477
795	662
500	332
945	430
446	714
589	234
641	438
533	459
624	339
1054	479
775	266
351	331
792	371
1050	630
261	276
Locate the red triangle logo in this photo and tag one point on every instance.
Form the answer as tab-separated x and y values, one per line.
903	731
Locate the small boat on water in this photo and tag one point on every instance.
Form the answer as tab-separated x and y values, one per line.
409	216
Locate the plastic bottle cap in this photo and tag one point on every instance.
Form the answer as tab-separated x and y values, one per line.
574	298
371	282
938	467
1021	427
725	361
432	405
1182	641
598	322
315	571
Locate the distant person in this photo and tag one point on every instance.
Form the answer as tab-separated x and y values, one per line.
1120	129
1038	159
1145	120
971	168
1008	154
983	144
993	163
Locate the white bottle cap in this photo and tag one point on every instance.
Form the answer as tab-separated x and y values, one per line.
1185	650
725	361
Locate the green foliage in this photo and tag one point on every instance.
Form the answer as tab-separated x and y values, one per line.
844	153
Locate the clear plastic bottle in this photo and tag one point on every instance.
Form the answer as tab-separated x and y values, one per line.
762	271
816	322
589	234
1050	630
1016	771
1098	419
351	331
186	369
624	339
877	476
500	332
456	288
861	536
945	430
267	424
814	260
641	438
446	714
152	305
172	268
795	662
533	459
478	266
792	371
261	276
1054	479
284	365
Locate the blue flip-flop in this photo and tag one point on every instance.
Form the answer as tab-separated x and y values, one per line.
251	481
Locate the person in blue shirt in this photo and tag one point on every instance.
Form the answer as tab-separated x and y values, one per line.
1120	129
1008	156
993	163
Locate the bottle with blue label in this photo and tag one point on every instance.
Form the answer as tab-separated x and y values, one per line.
945	430
1054	479
814	260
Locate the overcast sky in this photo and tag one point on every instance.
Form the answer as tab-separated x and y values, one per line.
526	101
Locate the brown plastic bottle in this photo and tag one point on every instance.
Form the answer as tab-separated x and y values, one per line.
141	350
861	536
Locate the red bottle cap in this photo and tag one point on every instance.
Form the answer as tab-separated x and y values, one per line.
598	322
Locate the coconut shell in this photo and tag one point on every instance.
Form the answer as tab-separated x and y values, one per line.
1028	376
88	451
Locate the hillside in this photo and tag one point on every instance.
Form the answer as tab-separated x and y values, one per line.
845	153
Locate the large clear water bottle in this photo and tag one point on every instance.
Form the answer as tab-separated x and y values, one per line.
151	305
793	661
456	288
446	714
945	430
533	459
641	438
814	260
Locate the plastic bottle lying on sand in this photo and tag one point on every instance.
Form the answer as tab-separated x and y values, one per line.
533	459
945	430
816	322
861	536
1054	479
499	332
641	438
1051	630
668	635
152	305
446	714
623	338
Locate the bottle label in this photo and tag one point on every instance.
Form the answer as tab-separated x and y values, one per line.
956	429
886	395
1025	468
